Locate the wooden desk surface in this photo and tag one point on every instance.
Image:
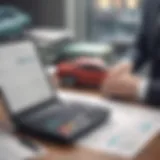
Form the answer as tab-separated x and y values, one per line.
151	152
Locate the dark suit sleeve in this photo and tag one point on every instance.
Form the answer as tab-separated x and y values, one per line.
139	52
153	93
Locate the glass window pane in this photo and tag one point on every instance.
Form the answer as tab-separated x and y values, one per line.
114	20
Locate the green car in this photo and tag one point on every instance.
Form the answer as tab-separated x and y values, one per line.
12	21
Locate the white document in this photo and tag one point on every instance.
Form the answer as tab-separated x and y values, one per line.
128	131
21	76
12	149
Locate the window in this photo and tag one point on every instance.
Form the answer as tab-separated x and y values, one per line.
112	20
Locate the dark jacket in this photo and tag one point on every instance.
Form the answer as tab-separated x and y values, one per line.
147	48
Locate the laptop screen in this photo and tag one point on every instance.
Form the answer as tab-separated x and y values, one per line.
21	77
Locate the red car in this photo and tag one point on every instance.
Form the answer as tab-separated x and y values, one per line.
84	70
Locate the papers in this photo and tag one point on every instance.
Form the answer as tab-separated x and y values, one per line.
12	149
121	139
129	130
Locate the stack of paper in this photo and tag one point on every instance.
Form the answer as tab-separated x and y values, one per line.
12	149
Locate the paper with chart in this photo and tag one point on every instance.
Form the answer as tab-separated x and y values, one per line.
129	130
126	139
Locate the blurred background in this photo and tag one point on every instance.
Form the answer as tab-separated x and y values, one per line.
63	30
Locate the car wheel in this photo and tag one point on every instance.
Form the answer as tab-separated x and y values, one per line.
68	81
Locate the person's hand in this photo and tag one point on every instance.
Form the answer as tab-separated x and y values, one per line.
119	69
114	73
124	86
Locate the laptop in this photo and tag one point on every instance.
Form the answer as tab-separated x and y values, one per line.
33	102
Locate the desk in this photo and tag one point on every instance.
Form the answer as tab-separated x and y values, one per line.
151	152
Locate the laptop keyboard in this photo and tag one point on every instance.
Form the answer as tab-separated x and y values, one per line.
64	111
52	109
69	120
59	114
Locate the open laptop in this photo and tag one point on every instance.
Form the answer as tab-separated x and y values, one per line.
33	103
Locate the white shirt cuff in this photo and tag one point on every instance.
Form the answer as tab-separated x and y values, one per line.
142	89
